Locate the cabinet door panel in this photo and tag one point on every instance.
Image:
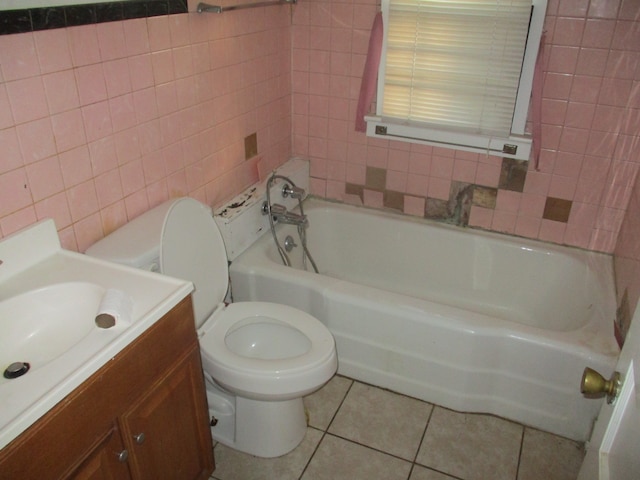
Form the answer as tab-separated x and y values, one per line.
174	424
104	461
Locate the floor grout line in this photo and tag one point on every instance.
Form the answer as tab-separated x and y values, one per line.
335	401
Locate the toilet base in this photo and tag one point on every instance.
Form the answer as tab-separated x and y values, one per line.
266	429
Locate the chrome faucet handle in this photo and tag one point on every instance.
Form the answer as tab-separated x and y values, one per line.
293	191
278	210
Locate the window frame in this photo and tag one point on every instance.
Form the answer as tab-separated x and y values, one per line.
517	145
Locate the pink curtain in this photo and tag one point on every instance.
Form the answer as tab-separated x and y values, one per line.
536	102
370	75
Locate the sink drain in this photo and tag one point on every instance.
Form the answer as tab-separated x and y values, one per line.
16	369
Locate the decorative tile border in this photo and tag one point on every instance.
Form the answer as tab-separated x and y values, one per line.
456	209
47	18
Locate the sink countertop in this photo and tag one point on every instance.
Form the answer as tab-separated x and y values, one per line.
32	259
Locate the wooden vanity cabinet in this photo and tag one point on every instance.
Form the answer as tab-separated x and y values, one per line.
143	415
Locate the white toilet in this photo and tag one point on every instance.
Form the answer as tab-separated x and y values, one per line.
259	358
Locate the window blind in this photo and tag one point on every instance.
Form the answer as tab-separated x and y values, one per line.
454	64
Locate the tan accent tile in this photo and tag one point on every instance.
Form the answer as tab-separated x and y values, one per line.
376	178
233	465
557	209
250	146
395	428
323	404
471	446
550	457
394	200
485	197
339	459
353	189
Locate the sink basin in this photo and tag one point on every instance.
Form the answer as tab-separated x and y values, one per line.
39	325
49	298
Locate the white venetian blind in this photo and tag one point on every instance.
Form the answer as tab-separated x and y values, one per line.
455	64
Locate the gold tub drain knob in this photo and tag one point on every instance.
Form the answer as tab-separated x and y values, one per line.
594	384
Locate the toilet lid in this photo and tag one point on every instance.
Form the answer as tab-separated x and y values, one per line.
192	249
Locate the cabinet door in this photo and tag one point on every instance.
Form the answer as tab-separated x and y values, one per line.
107	460
168	430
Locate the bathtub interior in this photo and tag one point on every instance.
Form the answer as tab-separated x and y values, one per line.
470	349
523	281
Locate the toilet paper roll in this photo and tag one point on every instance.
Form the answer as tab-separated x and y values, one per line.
116	306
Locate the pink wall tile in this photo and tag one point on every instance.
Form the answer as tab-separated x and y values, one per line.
17	220
11	154
117	77
36	140
592	61
61	91
15	191
414	206
91	84
480	217
68	130
527	226
83	45
27	99
136	36
45	178
6	117
75	166
53	50
18	56
110	145
111	41
54	207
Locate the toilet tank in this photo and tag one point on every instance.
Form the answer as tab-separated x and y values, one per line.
136	243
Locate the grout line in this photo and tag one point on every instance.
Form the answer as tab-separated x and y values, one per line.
424	434
324	432
520	453
369	447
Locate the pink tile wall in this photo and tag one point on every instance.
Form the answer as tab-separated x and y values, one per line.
100	123
591	122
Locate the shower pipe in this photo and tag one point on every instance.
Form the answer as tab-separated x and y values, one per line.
205	7
301	227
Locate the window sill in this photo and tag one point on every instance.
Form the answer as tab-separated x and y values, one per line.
515	146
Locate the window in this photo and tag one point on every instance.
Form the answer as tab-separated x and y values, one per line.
458	74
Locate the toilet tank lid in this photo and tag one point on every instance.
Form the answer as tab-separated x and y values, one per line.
136	243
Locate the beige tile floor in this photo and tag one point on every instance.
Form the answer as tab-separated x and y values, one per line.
360	432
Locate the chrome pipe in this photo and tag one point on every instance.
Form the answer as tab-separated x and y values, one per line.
206	8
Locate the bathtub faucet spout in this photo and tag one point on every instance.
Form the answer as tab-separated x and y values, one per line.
282	215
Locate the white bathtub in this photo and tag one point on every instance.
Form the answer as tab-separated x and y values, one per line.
469	320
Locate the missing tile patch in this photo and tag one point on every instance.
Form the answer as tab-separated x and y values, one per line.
513	174
485	196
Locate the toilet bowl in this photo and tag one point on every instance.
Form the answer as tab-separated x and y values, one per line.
259	358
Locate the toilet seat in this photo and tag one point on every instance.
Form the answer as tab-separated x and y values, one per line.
192	248
260	376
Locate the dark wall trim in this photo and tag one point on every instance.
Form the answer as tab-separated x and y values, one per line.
47	18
